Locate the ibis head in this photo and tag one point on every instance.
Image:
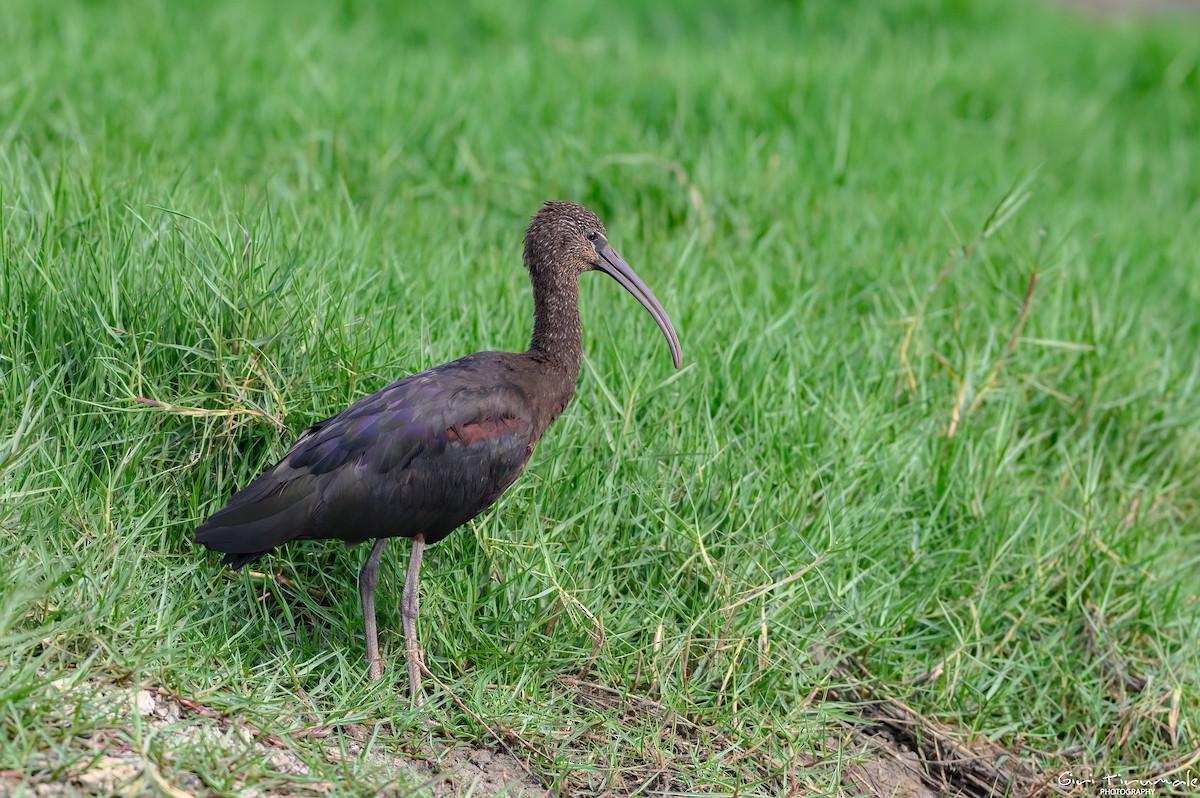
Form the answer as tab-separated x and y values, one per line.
564	240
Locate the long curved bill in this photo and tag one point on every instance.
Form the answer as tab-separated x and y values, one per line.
615	266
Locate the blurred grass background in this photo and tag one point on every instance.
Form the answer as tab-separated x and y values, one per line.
257	213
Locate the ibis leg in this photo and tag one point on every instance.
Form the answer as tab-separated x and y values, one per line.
368	577
408	611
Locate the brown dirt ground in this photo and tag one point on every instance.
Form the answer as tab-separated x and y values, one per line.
115	769
887	751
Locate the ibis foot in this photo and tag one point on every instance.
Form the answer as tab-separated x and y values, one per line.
409	604
368	577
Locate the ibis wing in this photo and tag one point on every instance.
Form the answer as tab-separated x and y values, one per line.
422	455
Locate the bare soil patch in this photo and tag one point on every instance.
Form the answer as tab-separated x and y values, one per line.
110	766
888	751
909	754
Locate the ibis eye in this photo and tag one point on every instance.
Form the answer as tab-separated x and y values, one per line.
592	236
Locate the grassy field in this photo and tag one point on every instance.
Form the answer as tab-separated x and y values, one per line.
935	450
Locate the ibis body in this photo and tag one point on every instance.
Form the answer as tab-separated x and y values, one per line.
424	455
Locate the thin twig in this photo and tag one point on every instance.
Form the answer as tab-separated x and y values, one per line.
1013	340
203	710
1010	203
183	410
1184	764
917	318
758	591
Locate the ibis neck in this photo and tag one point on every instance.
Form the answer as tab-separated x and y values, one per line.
557	335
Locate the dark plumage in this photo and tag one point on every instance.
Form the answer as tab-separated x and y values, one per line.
424	455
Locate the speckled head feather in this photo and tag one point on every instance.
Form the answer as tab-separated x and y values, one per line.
565	240
557	239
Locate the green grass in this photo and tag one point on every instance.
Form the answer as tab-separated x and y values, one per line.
262	213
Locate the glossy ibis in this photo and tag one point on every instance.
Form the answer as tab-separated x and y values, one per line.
424	455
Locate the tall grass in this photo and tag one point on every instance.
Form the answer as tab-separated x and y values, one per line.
252	215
